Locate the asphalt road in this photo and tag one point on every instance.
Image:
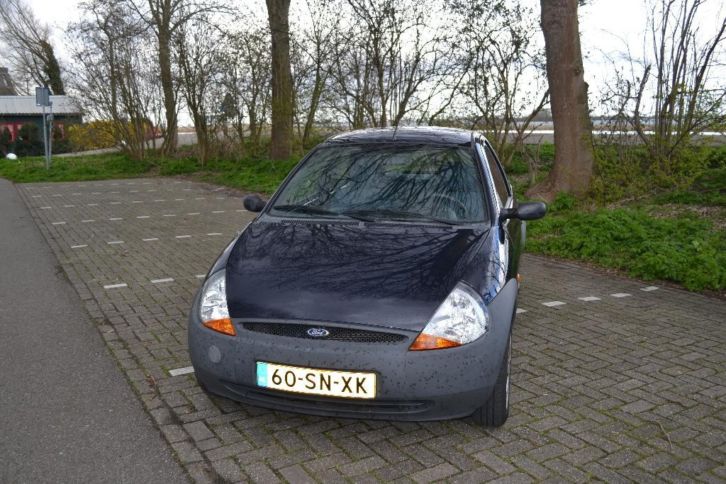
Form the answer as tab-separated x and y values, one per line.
67	414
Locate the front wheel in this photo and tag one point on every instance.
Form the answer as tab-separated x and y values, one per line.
496	410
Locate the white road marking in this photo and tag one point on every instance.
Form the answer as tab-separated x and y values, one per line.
36	196
115	286
45	208
113	192
221	198
78	246
160	200
93	205
199	198
151	190
214	233
649	288
520	310
553	304
116	218
150	239
143	216
58	223
146	183
168	215
87	221
187	189
589	298
181	371
217	211
159	281
76	193
193	213
200	276
182	236
133	191
620	294
115	242
178	199
68	206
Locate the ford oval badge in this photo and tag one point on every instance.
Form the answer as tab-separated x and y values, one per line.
318	332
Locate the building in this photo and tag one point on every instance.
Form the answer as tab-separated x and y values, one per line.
15	111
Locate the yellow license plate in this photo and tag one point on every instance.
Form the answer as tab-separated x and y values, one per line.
313	381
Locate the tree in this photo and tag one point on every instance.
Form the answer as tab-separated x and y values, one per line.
283	104
574	158
672	93
29	46
198	44
166	18
116	72
502	70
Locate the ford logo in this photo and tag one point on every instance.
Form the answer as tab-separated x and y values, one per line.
318	332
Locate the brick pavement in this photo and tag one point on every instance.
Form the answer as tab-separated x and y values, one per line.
619	382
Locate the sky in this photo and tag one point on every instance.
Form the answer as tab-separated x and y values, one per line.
606	27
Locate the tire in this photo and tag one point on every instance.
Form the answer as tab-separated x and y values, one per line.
496	410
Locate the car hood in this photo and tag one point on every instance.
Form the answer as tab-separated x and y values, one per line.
386	275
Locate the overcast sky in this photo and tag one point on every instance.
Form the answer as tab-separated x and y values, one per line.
606	27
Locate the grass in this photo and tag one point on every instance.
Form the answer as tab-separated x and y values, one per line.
662	236
683	249
97	167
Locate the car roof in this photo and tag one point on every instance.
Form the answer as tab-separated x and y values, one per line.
427	134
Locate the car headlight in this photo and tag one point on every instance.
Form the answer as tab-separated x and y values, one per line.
461	319
213	310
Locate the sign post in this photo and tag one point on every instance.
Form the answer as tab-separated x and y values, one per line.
42	98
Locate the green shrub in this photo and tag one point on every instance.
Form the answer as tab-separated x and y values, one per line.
686	250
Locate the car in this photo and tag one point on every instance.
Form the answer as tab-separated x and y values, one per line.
380	281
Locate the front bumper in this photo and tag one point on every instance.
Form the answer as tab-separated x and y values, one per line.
412	385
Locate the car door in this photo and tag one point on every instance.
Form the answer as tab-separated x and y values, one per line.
511	229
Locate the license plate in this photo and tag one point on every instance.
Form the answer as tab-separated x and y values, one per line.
330	383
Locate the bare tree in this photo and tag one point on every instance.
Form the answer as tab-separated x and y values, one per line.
677	74
28	45
313	56
392	64
114	70
198	47
166	18
503	74
246	78
283	103
574	158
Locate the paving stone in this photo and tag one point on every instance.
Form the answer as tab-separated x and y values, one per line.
621	389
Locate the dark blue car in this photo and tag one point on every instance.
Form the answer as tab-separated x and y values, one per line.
380	281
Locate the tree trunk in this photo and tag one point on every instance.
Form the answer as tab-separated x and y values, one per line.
167	86
574	156
282	90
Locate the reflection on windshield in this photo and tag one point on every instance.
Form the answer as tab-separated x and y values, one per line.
438	183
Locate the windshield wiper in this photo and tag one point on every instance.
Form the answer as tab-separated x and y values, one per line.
311	209
316	210
400	214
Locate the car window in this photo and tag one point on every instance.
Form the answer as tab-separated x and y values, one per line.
500	183
386	181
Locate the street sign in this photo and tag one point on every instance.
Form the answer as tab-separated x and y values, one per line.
42	96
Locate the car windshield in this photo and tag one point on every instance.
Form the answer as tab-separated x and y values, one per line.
386	182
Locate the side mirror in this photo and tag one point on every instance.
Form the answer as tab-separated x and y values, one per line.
254	203
525	211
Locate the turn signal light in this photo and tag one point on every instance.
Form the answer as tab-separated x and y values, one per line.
223	325
428	342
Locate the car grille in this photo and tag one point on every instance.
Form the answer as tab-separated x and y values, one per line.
335	333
